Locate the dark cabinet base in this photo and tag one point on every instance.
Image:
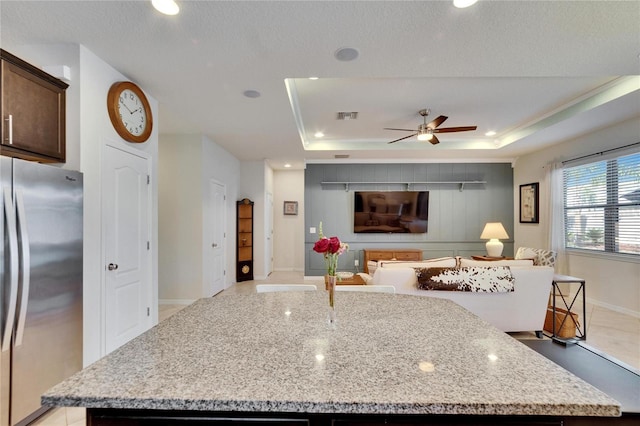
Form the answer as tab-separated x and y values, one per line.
245	271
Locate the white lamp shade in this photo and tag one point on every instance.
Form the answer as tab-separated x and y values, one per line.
493	231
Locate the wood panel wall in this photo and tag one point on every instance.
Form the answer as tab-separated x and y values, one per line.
456	218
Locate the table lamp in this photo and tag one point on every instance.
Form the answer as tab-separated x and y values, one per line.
494	231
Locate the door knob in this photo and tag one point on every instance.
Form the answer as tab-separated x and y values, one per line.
112	266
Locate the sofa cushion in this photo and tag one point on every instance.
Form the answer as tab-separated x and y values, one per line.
427	263
471	262
486	279
403	279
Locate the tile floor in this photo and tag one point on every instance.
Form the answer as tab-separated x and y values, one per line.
614	334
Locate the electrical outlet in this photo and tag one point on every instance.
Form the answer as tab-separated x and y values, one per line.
356	262
312	230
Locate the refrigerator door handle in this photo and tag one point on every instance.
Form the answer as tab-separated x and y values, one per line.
10	215
26	267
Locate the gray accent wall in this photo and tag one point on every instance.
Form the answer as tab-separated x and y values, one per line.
456	217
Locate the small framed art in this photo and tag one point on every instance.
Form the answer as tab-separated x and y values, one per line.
291	207
529	199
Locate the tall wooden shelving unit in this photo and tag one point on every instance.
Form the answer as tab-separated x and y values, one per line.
244	243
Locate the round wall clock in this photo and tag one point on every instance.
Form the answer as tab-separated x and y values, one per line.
129	112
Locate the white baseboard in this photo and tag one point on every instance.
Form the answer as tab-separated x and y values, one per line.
175	301
614	308
287	270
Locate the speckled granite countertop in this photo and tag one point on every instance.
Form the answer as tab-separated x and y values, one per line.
274	352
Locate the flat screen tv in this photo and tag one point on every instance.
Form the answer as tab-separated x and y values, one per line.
391	212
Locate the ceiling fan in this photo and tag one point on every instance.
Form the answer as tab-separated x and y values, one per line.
426	131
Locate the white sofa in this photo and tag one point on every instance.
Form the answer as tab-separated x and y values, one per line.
524	309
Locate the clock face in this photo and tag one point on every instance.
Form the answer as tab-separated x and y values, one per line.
129	111
132	112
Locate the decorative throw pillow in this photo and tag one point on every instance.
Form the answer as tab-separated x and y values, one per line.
372	265
540	257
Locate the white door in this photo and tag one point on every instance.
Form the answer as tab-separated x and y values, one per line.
126	231
214	247
269	245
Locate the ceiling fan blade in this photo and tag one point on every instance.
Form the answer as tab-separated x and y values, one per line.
434	140
438	121
455	129
406	137
406	130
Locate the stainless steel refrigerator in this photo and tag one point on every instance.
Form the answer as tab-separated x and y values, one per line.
41	277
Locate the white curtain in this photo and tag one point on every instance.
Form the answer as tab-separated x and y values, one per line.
556	215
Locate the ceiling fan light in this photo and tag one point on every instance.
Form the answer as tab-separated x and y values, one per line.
425	134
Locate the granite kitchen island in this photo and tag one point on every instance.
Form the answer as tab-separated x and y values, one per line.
273	356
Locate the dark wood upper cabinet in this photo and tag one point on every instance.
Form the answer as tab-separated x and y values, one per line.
33	112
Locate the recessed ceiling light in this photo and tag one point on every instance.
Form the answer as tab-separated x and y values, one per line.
318	135
287	165
313	78
461	4
168	7
346	54
252	93
490	133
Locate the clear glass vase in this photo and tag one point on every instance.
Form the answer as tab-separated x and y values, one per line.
331	289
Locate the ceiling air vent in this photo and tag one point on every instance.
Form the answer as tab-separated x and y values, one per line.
341	155
347	115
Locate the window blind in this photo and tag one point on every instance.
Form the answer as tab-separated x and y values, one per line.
602	205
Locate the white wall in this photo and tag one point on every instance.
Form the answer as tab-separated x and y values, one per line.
224	168
255	178
96	77
180	217
612	281
88	129
288	244
265	260
187	164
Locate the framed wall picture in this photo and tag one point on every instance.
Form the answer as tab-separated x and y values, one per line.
529	200
291	207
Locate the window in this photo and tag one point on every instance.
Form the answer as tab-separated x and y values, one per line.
602	205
